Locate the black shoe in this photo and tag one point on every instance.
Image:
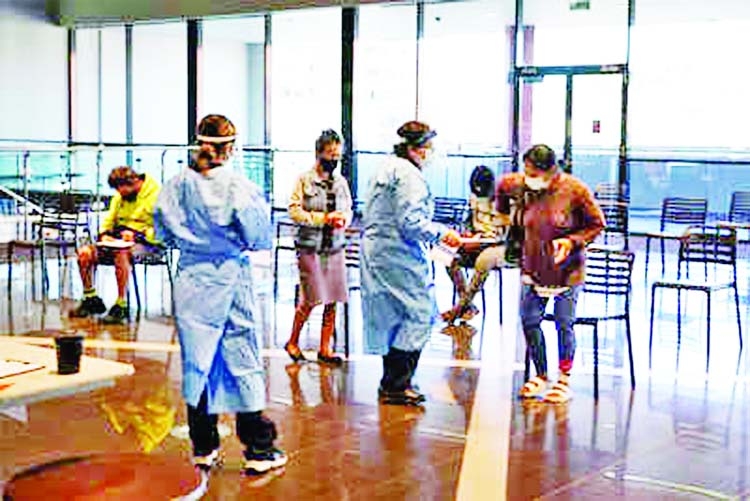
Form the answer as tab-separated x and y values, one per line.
333	359
88	306
117	315
297	356
260	462
407	397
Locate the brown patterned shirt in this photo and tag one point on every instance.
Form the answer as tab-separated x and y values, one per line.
566	209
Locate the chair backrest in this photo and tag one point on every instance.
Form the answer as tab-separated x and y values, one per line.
615	216
684	211
450	211
609	272
739	208
709	244
609	192
353	246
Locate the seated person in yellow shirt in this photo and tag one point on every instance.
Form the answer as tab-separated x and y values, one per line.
130	218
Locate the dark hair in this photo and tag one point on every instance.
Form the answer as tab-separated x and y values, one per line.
482	181
216	126
541	156
123	176
415	135
327	137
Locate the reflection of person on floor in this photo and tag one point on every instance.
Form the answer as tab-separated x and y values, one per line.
398	302
485	223
324	375
560	217
149	410
321	205
130	218
215	215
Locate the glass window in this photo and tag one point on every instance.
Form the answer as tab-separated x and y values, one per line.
688	101
33	86
113	84
306	76
464	73
305	89
386	46
86	91
160	83
561	35
464	90
232	74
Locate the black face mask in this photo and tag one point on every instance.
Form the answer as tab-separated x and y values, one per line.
328	166
130	197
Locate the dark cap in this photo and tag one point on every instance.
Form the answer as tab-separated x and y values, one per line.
541	156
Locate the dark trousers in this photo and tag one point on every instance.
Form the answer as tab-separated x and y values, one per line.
398	369
255	431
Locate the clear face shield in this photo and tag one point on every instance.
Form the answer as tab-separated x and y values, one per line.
211	152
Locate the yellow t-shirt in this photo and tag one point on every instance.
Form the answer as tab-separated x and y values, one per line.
137	215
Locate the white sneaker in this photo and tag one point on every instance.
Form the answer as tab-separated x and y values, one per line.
206	463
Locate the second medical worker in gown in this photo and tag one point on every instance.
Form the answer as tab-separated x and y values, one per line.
398	301
215	215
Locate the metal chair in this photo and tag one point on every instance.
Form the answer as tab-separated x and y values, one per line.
609	274
286	229
450	211
676	211
707	245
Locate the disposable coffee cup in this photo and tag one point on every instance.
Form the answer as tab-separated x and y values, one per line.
69	350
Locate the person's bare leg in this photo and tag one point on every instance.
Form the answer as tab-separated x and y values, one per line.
87	267
122	273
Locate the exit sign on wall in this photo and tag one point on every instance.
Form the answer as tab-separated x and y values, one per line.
580	4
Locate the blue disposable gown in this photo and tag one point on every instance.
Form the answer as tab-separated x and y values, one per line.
215	220
398	301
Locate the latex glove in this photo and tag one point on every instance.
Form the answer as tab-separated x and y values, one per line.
561	249
108	238
451	238
127	235
336	219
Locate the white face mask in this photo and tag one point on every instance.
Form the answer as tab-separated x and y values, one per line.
536	183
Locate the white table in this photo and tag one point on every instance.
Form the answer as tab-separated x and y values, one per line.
45	384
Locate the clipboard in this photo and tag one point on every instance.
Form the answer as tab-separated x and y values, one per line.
115	244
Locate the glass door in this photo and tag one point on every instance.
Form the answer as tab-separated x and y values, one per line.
596	128
577	111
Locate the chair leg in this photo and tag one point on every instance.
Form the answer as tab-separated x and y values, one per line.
679	317
500	293
648	252
137	292
10	268
596	361
346	330
651	324
275	274
708	328
630	350
663	251
739	318
171	287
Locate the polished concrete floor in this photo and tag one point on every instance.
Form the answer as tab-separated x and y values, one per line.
683	433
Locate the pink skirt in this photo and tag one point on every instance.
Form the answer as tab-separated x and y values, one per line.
322	277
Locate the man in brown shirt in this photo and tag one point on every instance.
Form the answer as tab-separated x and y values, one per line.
559	217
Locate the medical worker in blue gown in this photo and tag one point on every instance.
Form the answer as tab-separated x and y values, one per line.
397	291
215	215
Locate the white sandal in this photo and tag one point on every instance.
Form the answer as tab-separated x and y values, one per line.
533	388
560	393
